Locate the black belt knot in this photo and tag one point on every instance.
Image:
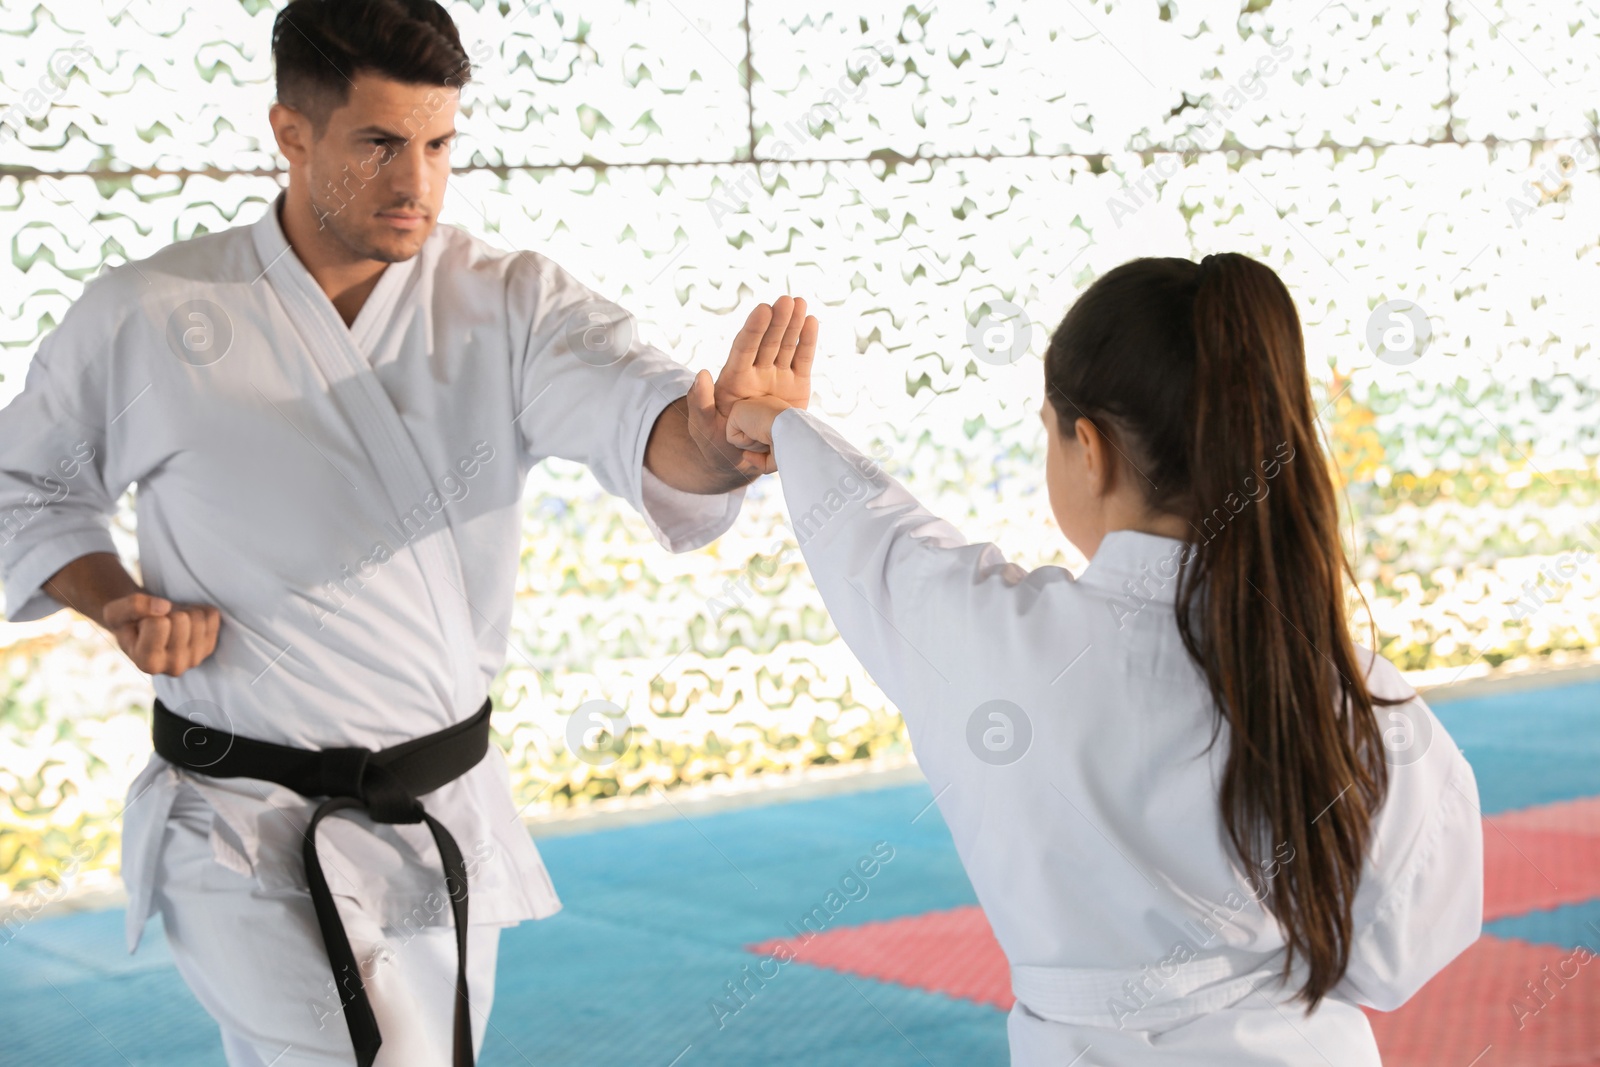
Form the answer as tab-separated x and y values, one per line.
385	784
351	772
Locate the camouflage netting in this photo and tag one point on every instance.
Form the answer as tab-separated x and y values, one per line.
923	178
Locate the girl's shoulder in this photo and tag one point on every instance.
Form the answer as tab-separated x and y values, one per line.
1383	677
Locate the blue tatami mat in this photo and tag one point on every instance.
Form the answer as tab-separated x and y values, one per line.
654	922
1534	746
656	917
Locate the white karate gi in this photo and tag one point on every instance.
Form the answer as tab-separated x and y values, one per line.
1091	831
349	498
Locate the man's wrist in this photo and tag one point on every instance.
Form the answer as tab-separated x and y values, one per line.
89	583
736	478
689	457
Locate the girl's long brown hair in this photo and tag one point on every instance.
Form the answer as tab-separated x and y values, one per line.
1197	374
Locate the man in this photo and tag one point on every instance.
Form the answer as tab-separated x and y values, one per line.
330	415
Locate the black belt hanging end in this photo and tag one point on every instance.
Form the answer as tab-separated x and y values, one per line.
385	784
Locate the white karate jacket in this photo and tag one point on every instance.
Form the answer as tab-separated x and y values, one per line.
350	499
1064	731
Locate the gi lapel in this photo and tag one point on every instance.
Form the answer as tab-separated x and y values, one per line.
400	468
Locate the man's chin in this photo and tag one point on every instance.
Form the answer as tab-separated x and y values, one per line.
396	249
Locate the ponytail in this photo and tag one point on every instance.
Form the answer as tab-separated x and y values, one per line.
1213	397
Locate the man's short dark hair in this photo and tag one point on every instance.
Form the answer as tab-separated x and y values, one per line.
318	47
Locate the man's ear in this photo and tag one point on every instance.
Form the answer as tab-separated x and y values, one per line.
293	132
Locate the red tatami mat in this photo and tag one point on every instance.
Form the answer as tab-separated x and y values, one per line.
951	952
1465	1016
1541	858
1470	1014
1503	1003
1580	816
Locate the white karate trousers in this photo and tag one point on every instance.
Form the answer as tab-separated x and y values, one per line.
255	960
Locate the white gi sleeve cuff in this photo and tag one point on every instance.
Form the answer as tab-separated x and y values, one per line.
25	599
680	521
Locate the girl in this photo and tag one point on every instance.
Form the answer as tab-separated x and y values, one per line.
1205	826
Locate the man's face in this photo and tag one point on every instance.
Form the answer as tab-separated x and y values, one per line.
377	173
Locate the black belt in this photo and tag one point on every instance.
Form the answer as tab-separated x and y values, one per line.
385	784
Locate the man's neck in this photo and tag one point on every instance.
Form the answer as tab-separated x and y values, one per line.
347	280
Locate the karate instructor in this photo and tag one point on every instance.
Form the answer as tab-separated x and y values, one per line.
330	415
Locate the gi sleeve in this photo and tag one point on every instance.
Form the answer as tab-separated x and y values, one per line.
1421	902
589	390
56	500
907	592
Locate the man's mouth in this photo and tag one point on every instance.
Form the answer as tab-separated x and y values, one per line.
403	220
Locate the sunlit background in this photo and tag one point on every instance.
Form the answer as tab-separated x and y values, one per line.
937	180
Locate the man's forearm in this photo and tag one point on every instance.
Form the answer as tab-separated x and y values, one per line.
673	455
89	582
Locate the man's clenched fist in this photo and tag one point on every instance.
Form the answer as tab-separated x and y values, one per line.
159	636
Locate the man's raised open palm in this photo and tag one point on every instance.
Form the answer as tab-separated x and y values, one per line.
771	356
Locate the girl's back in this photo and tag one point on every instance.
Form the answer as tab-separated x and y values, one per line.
1204	825
1067	734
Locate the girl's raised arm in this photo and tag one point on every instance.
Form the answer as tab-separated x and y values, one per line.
931	617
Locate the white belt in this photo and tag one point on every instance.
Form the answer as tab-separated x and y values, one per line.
1156	996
